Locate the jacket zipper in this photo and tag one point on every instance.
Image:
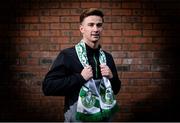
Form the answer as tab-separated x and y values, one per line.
94	57
95	65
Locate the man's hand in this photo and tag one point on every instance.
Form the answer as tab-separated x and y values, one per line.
87	72
106	71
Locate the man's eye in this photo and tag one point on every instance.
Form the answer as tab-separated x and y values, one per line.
99	25
90	24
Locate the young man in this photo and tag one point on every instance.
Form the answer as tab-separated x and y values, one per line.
85	74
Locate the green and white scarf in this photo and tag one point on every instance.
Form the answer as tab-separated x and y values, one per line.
94	102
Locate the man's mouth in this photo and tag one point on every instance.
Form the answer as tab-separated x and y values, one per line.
95	35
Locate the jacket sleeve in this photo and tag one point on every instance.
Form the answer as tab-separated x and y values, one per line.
115	81
60	80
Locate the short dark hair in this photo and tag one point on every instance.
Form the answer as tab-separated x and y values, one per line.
91	11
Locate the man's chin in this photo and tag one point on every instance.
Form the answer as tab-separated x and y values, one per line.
95	39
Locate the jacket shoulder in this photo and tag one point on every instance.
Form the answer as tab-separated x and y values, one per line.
68	50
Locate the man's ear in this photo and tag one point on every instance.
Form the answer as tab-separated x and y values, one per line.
81	28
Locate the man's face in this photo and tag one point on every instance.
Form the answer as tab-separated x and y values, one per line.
91	28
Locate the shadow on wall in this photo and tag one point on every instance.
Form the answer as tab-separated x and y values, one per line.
167	106
16	103
6	95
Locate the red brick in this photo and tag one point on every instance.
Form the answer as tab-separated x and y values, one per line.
127	61
42	12
54	47
33	61
70	32
69	18
74	26
59	40
44	47
136	82
37	54
32	19
138	12
70	5
111	47
25	54
119	54
140	96
111	32
140	54
157	54
160	67
90	4
76	11
137	75
161	26
59	26
29	33
49	19
131	19
142	68
107	26
106	12
75	39
117	61
125	96
152	33
121	40
53	54
106	40
151	19
142	40
145	12
121	12
30	47
147	61
38	40
137	61
50	33
59	12
157	75
63	46
131	33
49	5
112	19
142	26
151	47
131	5
20	40
121	26
39	26
49	47
111	5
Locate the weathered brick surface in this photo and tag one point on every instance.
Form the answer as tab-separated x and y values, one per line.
143	37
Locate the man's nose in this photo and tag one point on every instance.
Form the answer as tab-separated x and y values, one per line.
95	28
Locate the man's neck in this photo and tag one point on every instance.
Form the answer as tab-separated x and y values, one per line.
93	45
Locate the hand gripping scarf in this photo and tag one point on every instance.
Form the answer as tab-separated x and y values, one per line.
94	102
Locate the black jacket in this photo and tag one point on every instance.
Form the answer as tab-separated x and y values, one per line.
65	79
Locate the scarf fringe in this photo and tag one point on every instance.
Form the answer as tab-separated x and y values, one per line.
105	113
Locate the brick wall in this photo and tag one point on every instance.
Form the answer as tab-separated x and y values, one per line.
141	35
